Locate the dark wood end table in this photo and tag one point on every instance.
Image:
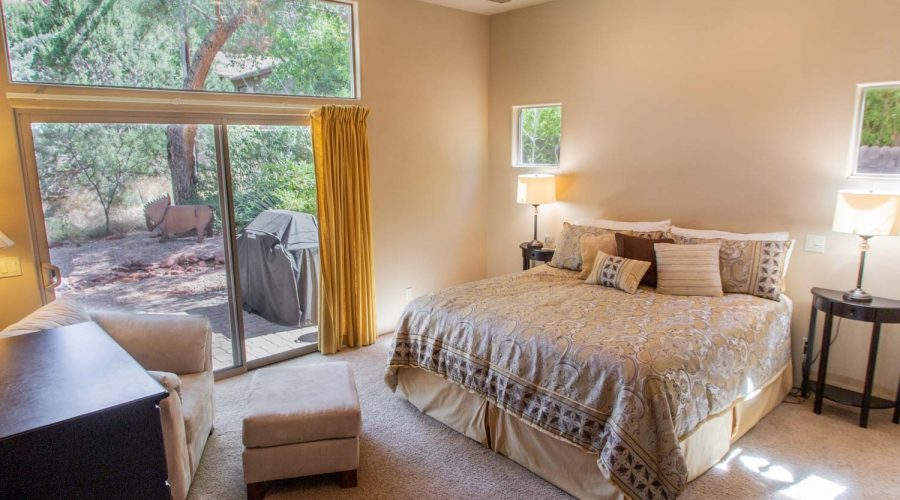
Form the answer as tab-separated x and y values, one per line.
877	312
530	254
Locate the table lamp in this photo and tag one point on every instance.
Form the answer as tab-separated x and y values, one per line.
5	242
866	214
536	189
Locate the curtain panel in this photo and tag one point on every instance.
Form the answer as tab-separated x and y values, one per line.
341	151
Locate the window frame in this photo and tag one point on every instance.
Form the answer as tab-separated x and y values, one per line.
187	94
517	136
72	103
856	134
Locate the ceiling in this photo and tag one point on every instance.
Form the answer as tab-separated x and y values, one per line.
486	6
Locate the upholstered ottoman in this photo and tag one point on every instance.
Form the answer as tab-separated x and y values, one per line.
301	421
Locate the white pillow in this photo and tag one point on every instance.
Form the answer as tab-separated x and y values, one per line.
705	234
641	227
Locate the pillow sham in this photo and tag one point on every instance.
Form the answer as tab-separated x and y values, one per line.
590	245
639	248
568	248
688	269
567	254
641	227
617	272
750	267
708	234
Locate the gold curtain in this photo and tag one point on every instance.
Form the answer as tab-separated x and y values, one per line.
347	301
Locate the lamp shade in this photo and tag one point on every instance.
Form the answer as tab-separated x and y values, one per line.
536	189
867	213
5	242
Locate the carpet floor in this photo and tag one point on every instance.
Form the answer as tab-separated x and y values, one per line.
792	453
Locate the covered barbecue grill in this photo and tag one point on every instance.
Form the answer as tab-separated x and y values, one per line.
278	258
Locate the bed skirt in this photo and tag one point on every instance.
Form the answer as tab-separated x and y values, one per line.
570	467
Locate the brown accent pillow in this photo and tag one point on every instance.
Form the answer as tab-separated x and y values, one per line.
633	247
590	245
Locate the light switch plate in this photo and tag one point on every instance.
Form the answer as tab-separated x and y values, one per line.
815	243
10	267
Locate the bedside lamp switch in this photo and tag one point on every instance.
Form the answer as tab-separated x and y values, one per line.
10	267
815	243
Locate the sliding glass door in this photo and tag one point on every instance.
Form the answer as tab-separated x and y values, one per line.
203	219
274	187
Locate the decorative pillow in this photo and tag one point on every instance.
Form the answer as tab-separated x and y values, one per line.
751	267
590	245
60	312
688	269
568	247
641	227
640	248
617	272
707	234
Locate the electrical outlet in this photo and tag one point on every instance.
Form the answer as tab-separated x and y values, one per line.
408	292
10	267
815	243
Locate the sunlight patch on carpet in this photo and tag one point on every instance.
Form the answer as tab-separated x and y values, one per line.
814	488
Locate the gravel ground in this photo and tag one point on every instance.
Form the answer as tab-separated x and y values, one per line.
137	272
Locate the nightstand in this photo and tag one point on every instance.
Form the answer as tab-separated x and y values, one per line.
530	255
877	312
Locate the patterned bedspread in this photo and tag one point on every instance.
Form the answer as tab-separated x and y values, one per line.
624	376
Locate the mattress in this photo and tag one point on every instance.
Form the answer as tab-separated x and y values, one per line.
626	378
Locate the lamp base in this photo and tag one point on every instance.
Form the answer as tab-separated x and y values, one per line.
535	244
857	295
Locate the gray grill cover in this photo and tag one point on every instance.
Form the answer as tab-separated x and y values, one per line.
278	263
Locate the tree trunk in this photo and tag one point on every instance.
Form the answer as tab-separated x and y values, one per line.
182	138
180	152
106	214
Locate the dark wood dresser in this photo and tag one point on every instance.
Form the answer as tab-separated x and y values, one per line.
79	418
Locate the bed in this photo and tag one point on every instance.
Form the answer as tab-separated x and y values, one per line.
604	394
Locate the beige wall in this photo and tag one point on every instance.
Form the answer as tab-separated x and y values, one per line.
425	75
718	114
428	154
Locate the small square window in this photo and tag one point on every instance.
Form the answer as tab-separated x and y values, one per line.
877	144
537	131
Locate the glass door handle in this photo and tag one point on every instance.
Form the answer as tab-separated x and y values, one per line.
54	274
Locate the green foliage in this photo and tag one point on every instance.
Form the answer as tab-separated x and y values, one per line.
271	168
312	47
539	134
881	117
101	159
296	47
147	44
90	42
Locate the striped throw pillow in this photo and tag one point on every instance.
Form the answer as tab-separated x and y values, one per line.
617	272
688	270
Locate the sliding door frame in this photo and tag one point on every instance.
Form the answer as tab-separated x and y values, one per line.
26	116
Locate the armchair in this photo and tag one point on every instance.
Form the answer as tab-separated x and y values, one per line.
177	351
174	349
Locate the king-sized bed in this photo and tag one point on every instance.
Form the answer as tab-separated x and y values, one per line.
601	393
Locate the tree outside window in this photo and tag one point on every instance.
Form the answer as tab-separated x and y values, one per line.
879	133
285	47
539	129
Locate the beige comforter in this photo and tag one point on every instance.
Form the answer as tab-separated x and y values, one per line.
624	376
